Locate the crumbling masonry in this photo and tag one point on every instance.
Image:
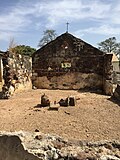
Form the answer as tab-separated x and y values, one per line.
65	63
70	63
17	71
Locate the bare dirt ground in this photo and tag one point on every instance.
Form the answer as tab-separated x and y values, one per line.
93	118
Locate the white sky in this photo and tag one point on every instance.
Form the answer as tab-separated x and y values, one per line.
90	20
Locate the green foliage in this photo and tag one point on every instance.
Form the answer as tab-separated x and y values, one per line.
110	45
24	50
48	36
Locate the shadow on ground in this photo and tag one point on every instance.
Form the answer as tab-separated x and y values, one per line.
97	91
38	106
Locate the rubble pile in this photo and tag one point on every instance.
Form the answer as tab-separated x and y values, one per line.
69	101
17	71
35	146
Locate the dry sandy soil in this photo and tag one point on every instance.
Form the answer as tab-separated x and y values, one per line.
94	117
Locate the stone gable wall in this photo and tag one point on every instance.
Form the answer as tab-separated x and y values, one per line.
87	67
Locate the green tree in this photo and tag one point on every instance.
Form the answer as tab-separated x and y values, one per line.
48	36
23	50
110	45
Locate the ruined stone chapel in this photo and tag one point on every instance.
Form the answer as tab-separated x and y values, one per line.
70	63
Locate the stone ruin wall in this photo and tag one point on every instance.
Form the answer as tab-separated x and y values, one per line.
38	146
117	92
17	72
1	68
108	74
1	73
70	80
88	67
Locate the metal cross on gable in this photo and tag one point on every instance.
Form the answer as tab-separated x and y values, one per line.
67	26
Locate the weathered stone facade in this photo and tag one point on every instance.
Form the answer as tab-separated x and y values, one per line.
69	63
17	72
1	71
108	74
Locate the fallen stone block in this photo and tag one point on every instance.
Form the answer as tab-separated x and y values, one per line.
54	107
71	101
63	102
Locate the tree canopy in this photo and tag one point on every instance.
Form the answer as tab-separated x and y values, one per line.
110	45
23	50
48	36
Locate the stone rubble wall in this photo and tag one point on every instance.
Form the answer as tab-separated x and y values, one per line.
63	63
108	75
1	73
64	57
1	68
70	80
35	146
17	72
